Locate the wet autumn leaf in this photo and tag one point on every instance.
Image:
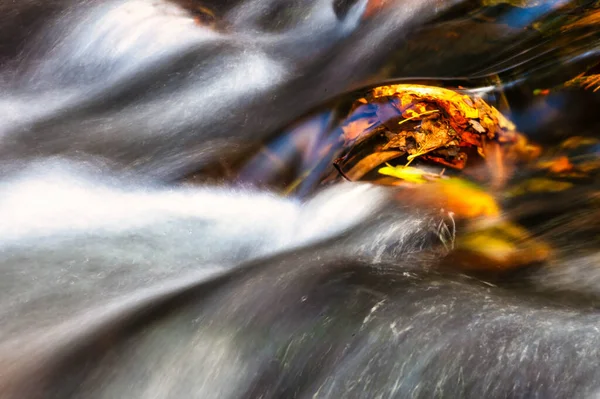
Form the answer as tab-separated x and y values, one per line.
370	162
408	174
410	96
557	166
499	247
465	199
564	168
539	185
459	196
576	157
433	124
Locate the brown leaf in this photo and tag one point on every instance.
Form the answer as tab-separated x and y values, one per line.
370	162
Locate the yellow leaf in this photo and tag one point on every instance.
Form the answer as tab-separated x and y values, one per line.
406	173
466	199
502	246
463	198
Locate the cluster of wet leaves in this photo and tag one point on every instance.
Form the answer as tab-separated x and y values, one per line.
512	169
447	150
440	130
428	123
